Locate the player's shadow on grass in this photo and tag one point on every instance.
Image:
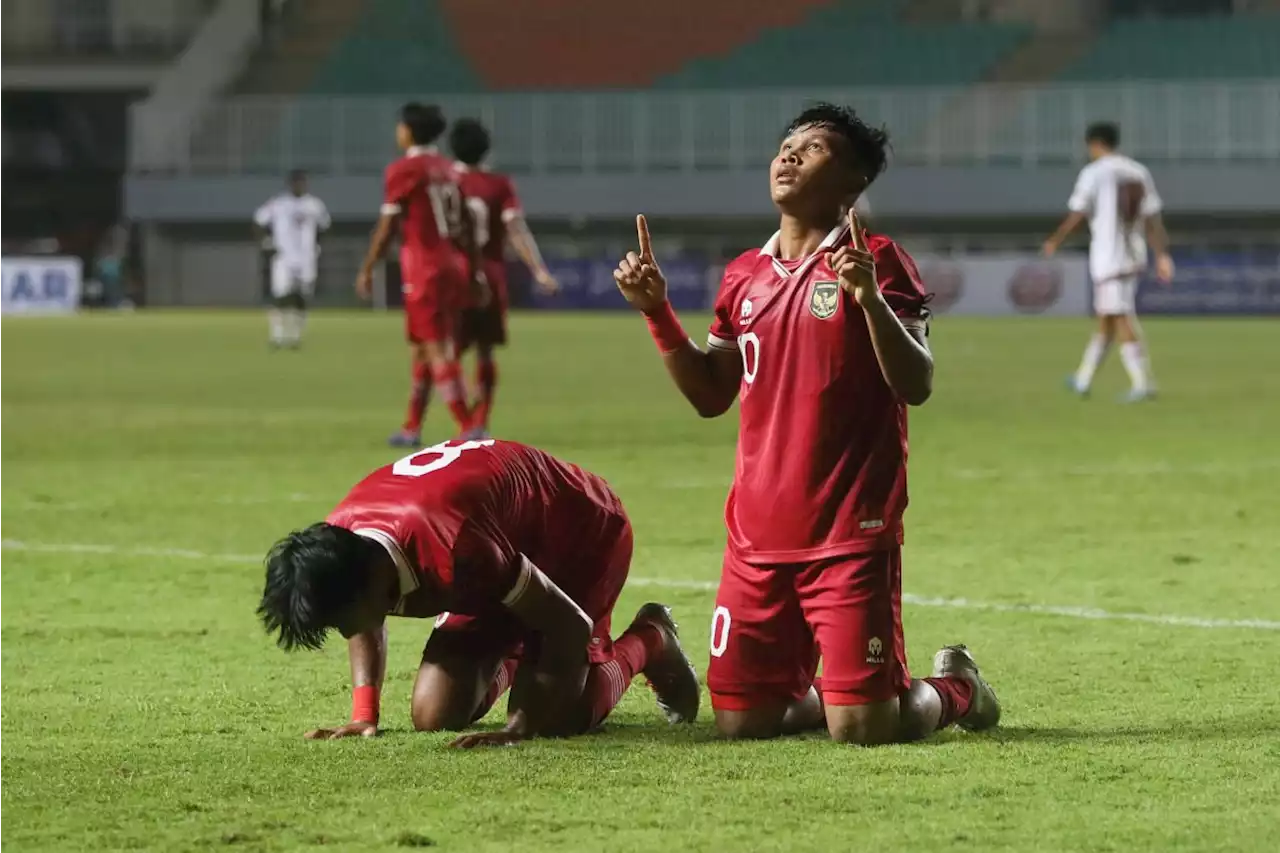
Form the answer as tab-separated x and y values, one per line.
1229	729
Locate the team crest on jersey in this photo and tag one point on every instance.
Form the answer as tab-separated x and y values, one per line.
824	299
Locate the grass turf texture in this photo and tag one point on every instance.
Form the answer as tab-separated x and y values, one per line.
145	709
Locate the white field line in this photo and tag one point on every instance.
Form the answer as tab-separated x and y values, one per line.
707	586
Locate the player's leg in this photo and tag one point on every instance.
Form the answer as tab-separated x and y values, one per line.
486	383
410	432
489	334
1133	350
281	286
467	665
296	319
1096	349
854	606
763	655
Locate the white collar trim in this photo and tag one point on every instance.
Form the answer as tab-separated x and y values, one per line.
770	249
404	571
417	150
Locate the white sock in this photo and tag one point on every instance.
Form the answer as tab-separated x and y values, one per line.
1134	356
294	320
275	322
1094	353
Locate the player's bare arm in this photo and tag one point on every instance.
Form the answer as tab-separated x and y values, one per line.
1158	239
708	380
382	234
903	354
544	697
1069	224
521	240
368	653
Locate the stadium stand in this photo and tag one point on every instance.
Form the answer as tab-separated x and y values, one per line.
1183	49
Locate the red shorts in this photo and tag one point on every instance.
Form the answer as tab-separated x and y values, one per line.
487	325
433	297
501	635
772	623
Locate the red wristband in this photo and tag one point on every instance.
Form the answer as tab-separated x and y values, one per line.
665	327
364	704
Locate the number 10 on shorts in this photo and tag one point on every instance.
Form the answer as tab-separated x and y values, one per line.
720	621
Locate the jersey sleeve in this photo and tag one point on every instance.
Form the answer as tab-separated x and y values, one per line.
722	335
322	216
1084	192
262	215
487	570
1152	204
902	288
397	183
509	202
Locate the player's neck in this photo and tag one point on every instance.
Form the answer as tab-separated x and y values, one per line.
799	238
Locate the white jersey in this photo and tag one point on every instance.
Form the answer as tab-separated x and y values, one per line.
1117	194
294	222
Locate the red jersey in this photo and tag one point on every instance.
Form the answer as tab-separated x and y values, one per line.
457	518
423	188
493	202
822	443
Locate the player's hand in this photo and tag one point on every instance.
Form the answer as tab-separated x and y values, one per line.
1164	268
856	266
638	276
349	730
1050	248
476	739
546	283
364	284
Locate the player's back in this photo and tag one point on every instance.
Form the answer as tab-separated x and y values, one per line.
492	199
423	188
1117	193
545	508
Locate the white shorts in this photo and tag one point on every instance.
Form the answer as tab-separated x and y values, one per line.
290	277
1116	296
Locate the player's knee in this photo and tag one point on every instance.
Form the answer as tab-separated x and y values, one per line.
433	717
755	724
874	724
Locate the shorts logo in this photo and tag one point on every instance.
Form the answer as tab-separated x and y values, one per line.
875	651
746	310
871	524
824	300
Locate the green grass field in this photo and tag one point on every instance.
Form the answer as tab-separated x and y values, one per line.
1114	568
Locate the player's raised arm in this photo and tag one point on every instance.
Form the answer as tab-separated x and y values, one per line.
708	380
902	353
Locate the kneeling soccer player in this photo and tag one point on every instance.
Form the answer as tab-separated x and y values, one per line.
519	555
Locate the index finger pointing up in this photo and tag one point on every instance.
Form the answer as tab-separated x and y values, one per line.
856	236
642	232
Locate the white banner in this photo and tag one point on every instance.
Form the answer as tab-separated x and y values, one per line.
41	285
1004	285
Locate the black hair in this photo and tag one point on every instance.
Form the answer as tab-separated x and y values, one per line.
312	575
1104	132
869	145
296	175
425	122
469	141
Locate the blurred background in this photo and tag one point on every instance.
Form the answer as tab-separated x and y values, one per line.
140	135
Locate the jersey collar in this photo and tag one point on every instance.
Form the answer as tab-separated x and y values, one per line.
407	576
419	150
770	250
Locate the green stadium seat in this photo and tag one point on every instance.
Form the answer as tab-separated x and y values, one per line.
1238	47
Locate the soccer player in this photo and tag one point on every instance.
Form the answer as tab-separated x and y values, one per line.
499	221
821	335
1119	199
288	226
519	555
420	192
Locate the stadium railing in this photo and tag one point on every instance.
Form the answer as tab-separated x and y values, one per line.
641	132
87	29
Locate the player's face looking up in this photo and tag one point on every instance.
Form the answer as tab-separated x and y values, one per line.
813	174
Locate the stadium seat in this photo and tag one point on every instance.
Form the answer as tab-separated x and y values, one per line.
1183	49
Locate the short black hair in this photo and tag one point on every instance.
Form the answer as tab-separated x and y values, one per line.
425	122
296	175
469	141
312	575
869	145
1105	132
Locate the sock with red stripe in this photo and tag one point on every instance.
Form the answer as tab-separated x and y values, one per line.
501	682
486	382
607	682
448	379
955	694
419	394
